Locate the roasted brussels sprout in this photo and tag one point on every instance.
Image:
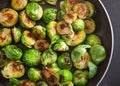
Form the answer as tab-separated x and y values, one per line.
8	17
31	57
98	53
34	74
93	39
12	52
89	26
36	0
28	39
80	78
51	2
64	61
41	83
39	32
5	37
49	14
50	76
65	76
14	69
48	57
27	82
18	4
34	11
78	38
78	25
41	45
54	67
16	32
60	15
25	21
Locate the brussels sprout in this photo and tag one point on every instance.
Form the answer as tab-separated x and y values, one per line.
14	81
64	61
50	76
34	74
14	69
31	57
12	52
19	4
41	83
5	37
81	10
39	32
8	17
26	82
65	29
54	67
25	21
49	14
51	2
98	54
89	26
78	25
28	39
80	78
92	69
34	11
65	76
60	15
48	57
78	38
16	32
93	39
70	16
36	0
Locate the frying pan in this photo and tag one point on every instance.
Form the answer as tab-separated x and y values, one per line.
103	29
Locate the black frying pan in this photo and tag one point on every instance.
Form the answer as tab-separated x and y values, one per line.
103	29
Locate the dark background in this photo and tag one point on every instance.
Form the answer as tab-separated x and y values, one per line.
112	77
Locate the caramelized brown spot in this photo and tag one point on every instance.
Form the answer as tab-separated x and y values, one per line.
9	17
69	15
51	79
62	26
30	36
19	2
67	60
17	66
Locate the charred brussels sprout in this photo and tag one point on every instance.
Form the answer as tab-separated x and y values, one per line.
34	11
80	78
12	52
34	74
64	61
8	17
28	39
31	57
48	57
16	32
50	76
78	25
49	14
25	21
5	37
14	69
39	32
51	2
54	67
27	82
41	83
19	4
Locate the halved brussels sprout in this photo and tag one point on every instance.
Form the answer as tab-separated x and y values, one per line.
39	32
34	74
51	2
70	16
50	76
31	57
98	53
25	21
19	4
80	78
41	83
81	10
48	57
34	11
93	39
64	61
60	15
27	82
65	29
36	0
5	37
14	69
12	52
51	29
16	32
78	38
28	39
54	67
41	45
89	26
78	25
49	14
8	17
